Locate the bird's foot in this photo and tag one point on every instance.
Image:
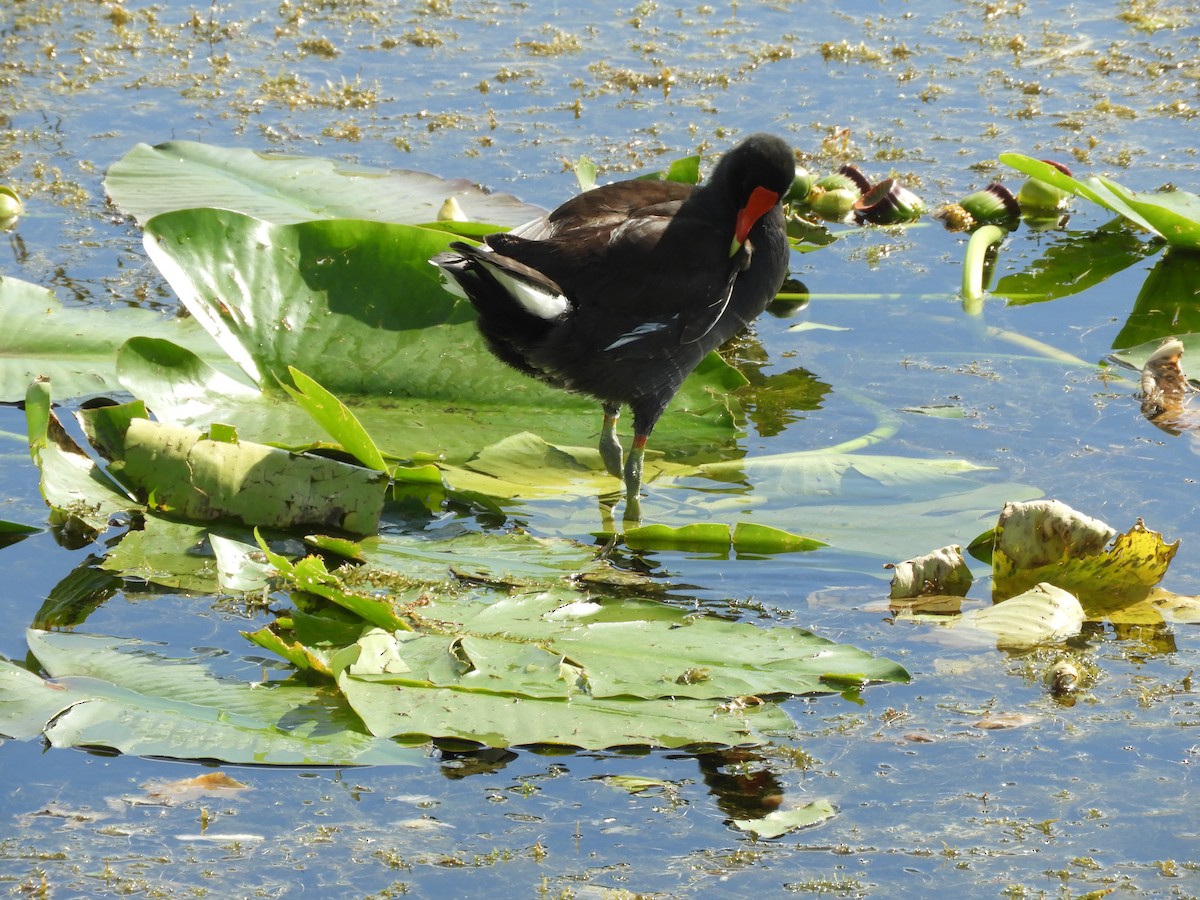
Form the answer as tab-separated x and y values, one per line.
633	509
610	446
633	480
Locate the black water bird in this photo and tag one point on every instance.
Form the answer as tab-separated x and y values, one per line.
623	290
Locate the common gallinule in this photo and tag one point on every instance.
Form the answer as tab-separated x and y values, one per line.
622	291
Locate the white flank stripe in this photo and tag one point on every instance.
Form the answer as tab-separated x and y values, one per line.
543	303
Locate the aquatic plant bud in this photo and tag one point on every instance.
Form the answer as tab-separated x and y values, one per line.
10	207
802	186
832	204
1040	197
888	203
451	211
993	205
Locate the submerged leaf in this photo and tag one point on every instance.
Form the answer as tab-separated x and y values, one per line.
785	821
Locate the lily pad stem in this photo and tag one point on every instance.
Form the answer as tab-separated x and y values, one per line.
972	276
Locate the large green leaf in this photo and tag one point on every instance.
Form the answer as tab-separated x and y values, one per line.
75	347
277	188
339	299
356	307
121	694
1172	215
458	654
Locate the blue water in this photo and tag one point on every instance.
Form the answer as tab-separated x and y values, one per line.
1089	796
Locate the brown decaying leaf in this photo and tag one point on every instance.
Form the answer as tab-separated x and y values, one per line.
943	571
1165	390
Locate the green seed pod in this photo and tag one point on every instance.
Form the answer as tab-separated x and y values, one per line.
802	186
1039	198
10	205
995	204
847	178
833	205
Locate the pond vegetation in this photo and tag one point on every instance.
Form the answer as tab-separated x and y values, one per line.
727	699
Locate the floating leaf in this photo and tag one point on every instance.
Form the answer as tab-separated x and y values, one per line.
1043	614
164	552
497	721
941	572
785	821
459	654
120	694
749	537
189	475
284	189
71	482
75	347
699	536
1049	541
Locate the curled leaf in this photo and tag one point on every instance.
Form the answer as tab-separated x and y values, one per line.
1048	541
943	571
184	472
1043	614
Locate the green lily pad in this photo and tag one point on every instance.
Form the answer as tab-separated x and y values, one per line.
75	347
283	189
122	695
1172	215
458	654
356	307
784	821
